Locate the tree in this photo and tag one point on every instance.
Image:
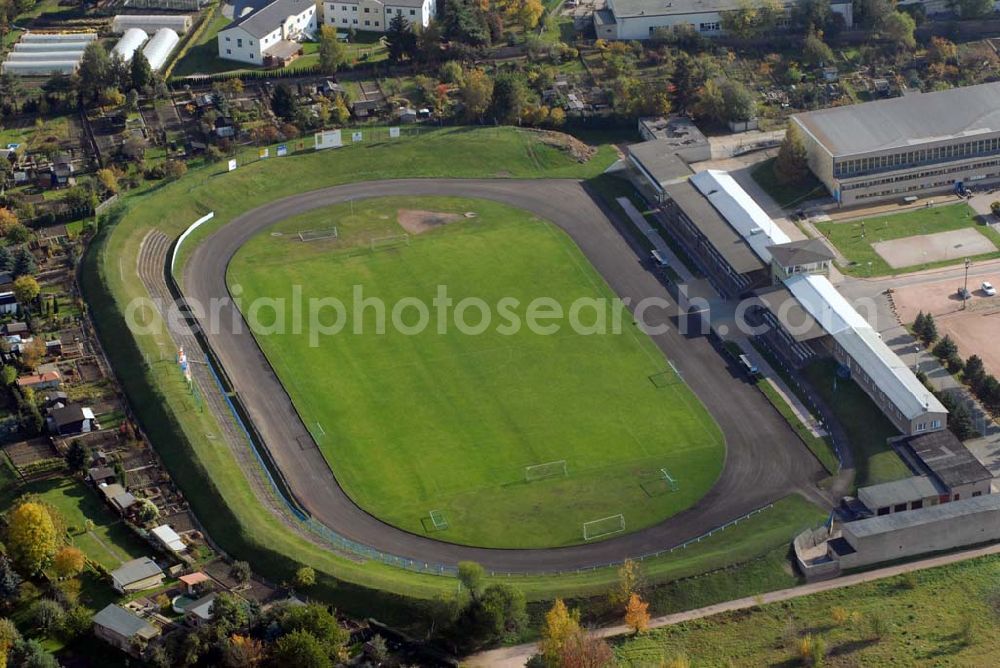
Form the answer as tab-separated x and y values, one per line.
581	650
529	12
283	102
6	261
451	72
17	233
898	27
942	50
229	614
476	93
929	334
46	615
300	649
557	117
637	614
503	612
243	652
10	582
94	72
304	577
791	166
560	624
738	102
815	51
240	570
471	575
8	374
24	262
9	636
709	102
147	511
26	289
78	455
140	72
318	622
429	41
31	537
510	96
332	52
960	422
399	38
945	348
974	370
69	561
108	180
630	581
174	169
742	22
973	9
32	354
29	653
11	89
8	219
76	621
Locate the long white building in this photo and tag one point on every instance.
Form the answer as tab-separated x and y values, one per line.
639	19
269	33
375	15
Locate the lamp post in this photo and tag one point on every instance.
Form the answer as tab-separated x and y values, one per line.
965	298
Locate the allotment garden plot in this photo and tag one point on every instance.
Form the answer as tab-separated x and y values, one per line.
494	435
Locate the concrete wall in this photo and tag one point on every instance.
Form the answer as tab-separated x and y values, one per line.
822	568
238	44
971	529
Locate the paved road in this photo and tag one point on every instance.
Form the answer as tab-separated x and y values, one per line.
518	655
765	460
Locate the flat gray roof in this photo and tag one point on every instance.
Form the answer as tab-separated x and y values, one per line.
658	158
898	491
906	121
723	237
932	515
794	319
136	570
124	623
948	459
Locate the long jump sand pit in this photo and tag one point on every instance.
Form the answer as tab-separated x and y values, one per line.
416	221
974	329
921	249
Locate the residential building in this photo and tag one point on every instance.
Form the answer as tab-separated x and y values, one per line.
136	575
913	145
640	19
375	15
270	34
123	629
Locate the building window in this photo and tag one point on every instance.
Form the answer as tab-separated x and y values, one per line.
367	10
376	24
344	21
917	505
899	508
227	39
354	21
229	52
957	496
367	22
882	511
977	494
935	424
709	27
239	42
413	12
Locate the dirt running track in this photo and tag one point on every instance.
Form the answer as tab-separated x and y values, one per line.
765	460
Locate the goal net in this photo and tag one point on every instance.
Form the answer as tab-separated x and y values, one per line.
669	479
547	470
438	520
390	241
316	235
605	526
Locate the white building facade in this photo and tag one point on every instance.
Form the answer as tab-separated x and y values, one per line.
374	15
249	38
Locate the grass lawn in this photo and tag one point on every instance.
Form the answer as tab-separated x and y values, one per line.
846	236
818	446
867	428
109	543
448	421
787	196
935	617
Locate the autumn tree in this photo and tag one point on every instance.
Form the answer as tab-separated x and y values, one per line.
243	652
815	51
304	577
582	650
108	180
33	353
9	636
791	166
7	220
332	52
31	537
630	581
300	649
69	561
529	12
476	92
560	624
26	289
898	27
637	614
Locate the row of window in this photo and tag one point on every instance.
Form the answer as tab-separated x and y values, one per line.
923	175
876	163
388	10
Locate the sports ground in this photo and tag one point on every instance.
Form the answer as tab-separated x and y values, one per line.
448	422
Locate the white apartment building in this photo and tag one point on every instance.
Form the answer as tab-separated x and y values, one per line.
375	15
269	33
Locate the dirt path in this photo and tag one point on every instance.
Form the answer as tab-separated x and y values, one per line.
508	657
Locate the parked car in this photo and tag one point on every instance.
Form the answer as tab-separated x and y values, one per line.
659	260
988	289
964	294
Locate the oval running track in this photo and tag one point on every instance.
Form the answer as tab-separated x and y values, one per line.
765	460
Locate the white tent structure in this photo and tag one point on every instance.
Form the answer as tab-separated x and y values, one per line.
45	54
129	43
158	49
150	23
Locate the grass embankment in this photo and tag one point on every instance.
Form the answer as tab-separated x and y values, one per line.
786	196
447	418
867	428
865	260
817	445
941	616
208	474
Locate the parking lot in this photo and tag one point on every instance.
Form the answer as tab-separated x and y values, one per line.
974	328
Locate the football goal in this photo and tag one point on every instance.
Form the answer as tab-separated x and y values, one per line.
317	235
669	479
390	241
548	470
438	520
605	526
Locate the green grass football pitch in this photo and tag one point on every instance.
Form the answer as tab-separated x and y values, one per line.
448	421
